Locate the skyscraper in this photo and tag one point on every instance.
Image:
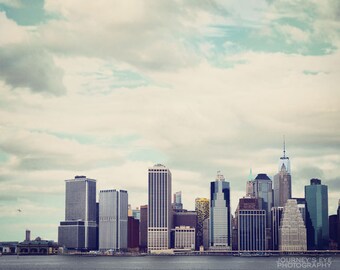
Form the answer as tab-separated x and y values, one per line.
250	185
78	231
338	213
292	231
251	225
143	228
276	221
220	215
263	190
283	181
159	208
202	209
177	205
316	196
113	220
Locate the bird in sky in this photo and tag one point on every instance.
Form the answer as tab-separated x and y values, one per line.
19	210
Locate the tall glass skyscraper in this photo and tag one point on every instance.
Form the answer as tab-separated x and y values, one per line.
79	230
159	208
283	181
316	196
220	214
177	204
113	220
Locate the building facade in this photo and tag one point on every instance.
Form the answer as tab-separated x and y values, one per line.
185	237
159	208
113	220
292	231
202	210
276	221
133	233
79	230
177	204
316	196
220	215
143	228
283	181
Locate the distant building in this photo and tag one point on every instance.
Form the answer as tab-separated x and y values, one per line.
338	213
133	233
206	240
263	190
37	247
159	208
250	185
136	213
276	221
143	227
202	210
283	181
185	218
220	215
316	196
251	225
79	230
292	231
185	237
8	247
113	220
177	204
333	232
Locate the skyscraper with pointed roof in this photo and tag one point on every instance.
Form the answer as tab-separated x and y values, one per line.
250	185
283	181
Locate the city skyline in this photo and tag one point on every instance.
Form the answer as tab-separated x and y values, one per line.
199	86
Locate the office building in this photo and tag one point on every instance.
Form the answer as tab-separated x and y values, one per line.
79	230
206	235
251	222
177	204
220	215
250	185
136	213
338	214
292	231
185	237
276	221
159	208
133	233
113	220
202	210
316	196
301	202
283	181
333	232
143	228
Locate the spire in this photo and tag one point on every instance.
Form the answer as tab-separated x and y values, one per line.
250	177
284	146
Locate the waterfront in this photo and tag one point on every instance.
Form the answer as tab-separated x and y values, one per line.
165	262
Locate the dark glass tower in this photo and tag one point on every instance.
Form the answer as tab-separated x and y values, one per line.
316	196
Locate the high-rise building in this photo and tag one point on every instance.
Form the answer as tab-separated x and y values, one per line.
79	230
143	228
206	242
177	204
263	190
251	221
333	232
136	213
301	202
283	181
184	237
220	215
250	185
185	218
113	220
133	233
316	196
276	221
338	213
159	208
202	210
292	231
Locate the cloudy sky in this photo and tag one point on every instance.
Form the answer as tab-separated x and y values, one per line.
108	88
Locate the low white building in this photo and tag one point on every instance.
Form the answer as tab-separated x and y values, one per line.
185	237
292	231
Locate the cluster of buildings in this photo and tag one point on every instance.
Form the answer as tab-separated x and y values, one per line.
268	217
